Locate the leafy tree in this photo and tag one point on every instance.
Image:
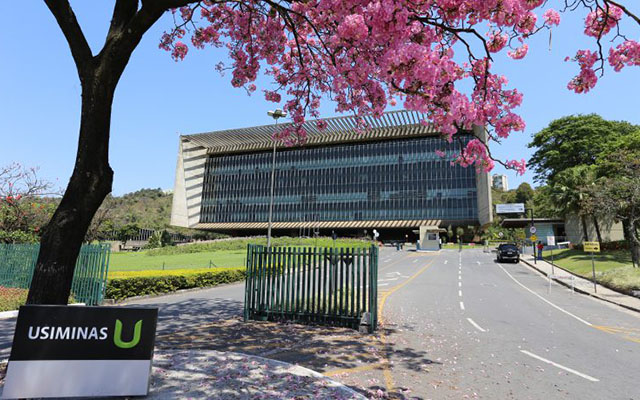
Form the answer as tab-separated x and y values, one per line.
362	54
524	194
23	209
617	193
127	232
573	141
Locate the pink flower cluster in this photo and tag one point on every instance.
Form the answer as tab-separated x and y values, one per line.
551	17
600	21
520	52
367	54
586	79
625	54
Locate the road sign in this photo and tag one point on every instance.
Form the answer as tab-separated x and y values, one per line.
591	247
533	229
534	238
551	240
511	208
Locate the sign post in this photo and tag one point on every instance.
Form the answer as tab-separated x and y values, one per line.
592	247
61	351
533	238
551	241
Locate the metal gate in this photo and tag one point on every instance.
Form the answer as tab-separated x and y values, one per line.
330	286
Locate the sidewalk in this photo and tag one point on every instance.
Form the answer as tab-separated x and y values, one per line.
210	374
582	285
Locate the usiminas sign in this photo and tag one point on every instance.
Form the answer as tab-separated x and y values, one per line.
61	351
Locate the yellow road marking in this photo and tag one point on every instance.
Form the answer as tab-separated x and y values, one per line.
386	371
354	369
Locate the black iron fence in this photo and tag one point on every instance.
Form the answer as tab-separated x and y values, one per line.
331	286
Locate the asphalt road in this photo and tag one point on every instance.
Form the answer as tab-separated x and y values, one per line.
492	330
460	325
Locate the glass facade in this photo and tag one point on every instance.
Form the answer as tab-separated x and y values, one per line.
401	179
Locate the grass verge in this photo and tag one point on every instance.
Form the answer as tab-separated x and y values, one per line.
613	268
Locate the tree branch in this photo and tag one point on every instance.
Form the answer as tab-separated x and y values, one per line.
123	12
66	19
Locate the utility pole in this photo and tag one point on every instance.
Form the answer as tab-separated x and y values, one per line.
278	113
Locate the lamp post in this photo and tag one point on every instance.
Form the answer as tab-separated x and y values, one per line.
278	113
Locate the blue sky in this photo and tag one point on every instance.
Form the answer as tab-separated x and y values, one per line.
158	99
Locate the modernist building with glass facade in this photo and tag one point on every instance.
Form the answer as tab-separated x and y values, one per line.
388	178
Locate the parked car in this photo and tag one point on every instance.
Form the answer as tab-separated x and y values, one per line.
508	252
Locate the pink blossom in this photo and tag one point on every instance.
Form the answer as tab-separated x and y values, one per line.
625	54
353	28
440	153
600	21
519	53
369	55
179	51
551	17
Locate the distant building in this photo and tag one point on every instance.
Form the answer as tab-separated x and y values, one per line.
389	178
499	182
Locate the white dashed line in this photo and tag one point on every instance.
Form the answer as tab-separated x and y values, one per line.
459	284
460	293
573	371
472	322
462	306
545	300
445	262
387	279
478	262
416	260
383	284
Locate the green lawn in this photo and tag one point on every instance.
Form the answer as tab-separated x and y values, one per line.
224	253
142	261
613	268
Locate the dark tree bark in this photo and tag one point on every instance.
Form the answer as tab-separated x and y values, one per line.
597	226
634	242
584	228
92	176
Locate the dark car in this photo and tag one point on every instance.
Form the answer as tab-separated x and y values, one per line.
508	252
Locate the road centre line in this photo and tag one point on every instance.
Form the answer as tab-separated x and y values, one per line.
460	293
573	371
545	300
472	322
445	262
459	284
462	306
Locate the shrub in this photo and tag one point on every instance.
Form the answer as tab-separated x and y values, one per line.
12	298
122	288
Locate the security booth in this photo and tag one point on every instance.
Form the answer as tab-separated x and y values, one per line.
429	238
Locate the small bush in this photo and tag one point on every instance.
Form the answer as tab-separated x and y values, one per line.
122	288
12	298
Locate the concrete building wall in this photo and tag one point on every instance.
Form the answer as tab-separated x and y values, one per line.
483	184
187	195
609	229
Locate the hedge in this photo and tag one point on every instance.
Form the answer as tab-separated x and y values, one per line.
120	289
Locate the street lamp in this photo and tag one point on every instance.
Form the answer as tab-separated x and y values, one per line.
278	113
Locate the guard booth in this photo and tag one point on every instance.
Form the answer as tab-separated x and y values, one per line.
429	238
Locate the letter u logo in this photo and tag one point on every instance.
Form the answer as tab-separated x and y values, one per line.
117	336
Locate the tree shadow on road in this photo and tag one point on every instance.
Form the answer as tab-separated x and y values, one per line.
217	324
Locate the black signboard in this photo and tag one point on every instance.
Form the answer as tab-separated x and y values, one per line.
116	343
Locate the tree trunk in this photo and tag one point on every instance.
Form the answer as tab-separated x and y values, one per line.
634	243
584	228
89	184
597	226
